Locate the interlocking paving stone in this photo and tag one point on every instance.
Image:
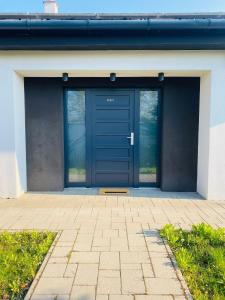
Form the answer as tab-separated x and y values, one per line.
54	270
86	274
109	247
109	273
134	257
52	286
101	242
102	297
132	282
61	251
147	270
121	297
84	257
163	286
43	297
163	267
70	270
154	297
65	244
58	260
83	293
68	236
109	282
119	244
130	266
109	260
50	297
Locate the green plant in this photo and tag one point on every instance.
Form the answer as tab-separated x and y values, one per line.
21	255
200	254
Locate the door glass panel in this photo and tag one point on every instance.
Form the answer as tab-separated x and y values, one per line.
148	151
75	133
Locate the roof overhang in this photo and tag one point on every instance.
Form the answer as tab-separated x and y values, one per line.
109	32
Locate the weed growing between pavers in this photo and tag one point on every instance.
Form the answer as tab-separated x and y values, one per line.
21	254
200	254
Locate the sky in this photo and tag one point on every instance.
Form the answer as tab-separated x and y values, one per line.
116	6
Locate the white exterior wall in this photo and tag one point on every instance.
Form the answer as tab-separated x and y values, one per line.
12	135
209	65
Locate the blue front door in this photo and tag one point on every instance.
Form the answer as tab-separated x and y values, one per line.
111	128
112	137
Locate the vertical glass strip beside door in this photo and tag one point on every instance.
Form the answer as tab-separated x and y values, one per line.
148	139
75	137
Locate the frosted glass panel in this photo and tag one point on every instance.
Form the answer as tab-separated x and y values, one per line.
148	151
76	144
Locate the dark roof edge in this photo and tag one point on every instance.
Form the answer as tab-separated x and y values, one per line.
110	16
112	25
97	33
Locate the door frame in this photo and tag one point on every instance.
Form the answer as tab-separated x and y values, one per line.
89	136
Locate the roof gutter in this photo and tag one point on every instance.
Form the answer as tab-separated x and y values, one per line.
128	25
113	34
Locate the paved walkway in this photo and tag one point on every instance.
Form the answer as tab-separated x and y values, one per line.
109	247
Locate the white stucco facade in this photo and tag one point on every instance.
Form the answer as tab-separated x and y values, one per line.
208	65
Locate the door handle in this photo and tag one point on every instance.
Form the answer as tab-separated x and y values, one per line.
131	138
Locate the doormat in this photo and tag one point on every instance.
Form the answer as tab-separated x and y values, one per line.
113	191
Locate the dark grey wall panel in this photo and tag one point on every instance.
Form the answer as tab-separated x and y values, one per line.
44	129
180	114
44	132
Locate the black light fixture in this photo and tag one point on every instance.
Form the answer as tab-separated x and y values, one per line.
65	77
112	77
161	77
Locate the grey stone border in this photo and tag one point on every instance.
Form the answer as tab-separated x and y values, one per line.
180	277
34	283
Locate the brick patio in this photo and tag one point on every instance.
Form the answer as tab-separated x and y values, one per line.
109	247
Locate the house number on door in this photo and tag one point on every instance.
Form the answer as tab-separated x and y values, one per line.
110	100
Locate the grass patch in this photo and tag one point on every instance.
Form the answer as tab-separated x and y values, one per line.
21	255
200	254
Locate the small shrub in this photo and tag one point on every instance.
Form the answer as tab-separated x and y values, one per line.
200	254
21	255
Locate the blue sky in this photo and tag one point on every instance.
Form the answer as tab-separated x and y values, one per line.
122	6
